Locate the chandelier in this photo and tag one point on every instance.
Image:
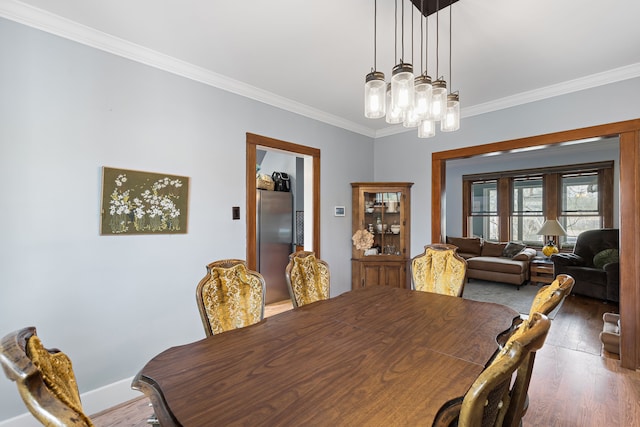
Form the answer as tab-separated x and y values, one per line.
414	101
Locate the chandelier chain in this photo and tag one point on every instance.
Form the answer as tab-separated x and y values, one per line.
450	47
375	32
437	37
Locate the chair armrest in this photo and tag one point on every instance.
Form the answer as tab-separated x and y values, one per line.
563	259
612	269
613	281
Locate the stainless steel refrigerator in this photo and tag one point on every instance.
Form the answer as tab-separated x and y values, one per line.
274	234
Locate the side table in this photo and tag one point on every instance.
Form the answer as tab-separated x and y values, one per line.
541	271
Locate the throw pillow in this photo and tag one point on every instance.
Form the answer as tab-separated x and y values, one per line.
467	245
605	257
512	249
493	248
525	255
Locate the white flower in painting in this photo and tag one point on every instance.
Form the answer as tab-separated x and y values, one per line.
139	209
122	178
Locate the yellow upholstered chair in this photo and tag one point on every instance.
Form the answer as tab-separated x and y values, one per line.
490	397
308	278
439	269
230	296
45	379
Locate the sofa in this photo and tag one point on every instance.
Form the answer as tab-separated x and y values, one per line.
506	262
594	264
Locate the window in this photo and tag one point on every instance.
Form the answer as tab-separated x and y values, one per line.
513	205
483	221
579	204
527	212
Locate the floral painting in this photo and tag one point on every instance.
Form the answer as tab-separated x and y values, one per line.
135	202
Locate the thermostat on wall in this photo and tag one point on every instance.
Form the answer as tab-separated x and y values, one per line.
338	211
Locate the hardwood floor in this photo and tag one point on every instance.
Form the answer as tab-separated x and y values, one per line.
573	383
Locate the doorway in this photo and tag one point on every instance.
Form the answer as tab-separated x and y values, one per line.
312	201
629	133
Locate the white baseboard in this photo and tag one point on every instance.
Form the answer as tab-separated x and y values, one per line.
93	401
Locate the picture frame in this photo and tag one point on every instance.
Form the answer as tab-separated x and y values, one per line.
137	202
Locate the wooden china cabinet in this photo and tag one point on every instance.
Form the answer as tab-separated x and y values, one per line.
384	209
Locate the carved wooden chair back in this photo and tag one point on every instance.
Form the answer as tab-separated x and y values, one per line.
439	269
549	297
308	278
45	379
489	399
230	296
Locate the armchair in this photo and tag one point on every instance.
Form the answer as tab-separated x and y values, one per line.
593	264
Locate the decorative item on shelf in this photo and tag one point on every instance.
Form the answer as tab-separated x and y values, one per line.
362	240
392	206
551	227
395	228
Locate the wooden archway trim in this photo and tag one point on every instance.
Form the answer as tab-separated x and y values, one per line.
629	134
253	141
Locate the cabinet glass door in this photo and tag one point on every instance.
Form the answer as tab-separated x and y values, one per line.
382	218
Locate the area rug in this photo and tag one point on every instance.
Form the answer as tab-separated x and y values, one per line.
501	293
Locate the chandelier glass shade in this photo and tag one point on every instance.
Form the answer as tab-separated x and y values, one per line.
451	121
402	87
422	99
438	100
375	95
393	115
427	129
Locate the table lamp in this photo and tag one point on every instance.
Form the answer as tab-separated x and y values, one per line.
551	227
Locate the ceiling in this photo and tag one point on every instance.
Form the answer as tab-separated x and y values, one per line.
311	57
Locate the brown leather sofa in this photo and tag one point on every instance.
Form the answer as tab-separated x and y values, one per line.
593	264
506	262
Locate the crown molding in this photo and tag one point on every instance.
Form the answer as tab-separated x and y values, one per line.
40	19
611	76
57	25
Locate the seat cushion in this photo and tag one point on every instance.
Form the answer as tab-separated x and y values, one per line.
497	264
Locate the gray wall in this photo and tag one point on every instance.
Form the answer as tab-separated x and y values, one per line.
112	303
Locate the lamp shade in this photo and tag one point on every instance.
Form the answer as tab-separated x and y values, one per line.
552	227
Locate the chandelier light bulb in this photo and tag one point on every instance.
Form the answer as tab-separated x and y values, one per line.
375	93
410	118
394	115
427	129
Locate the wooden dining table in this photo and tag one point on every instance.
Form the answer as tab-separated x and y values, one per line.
373	356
